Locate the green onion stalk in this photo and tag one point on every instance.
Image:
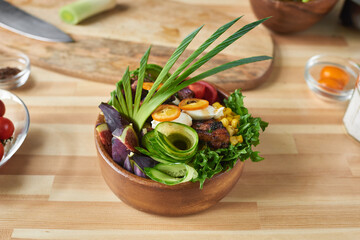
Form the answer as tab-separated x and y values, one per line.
129	105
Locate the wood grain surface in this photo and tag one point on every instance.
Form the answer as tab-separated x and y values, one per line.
105	45
307	188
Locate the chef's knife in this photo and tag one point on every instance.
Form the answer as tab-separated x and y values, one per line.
16	20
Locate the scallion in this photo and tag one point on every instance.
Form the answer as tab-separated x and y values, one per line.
174	82
82	9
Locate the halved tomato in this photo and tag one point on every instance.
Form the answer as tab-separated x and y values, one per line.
165	113
193	104
210	92
198	89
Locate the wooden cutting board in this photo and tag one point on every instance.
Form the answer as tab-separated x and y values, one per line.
106	44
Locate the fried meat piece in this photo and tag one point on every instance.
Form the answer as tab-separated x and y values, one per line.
213	133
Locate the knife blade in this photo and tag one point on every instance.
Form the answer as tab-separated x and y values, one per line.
19	21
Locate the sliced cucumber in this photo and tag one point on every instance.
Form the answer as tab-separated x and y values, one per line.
174	170
171	174
154	150
177	139
171	142
161	177
154	156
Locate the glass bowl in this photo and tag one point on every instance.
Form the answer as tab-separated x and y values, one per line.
14	60
18	113
312	74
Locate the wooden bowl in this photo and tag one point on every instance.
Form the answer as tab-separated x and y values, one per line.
157	198
290	17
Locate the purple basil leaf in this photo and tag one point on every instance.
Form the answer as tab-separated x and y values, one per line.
113	118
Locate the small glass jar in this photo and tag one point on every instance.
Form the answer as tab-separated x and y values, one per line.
16	60
313	70
352	115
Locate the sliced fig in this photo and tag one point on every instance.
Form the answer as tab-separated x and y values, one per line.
113	118
137	170
119	151
128	137
105	136
127	165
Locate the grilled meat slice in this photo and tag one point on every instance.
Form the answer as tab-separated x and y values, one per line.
185	93
213	133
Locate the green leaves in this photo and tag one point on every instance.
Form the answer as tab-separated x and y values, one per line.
172	83
209	162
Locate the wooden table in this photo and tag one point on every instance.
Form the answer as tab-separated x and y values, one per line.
308	186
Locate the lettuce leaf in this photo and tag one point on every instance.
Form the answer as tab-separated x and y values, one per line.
209	162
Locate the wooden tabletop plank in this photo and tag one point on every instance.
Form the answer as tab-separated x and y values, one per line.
117	215
294	234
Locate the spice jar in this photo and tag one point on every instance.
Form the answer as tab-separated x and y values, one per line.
352	115
14	69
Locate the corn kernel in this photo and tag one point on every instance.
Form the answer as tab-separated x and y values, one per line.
229	118
227	111
234	123
217	105
237	117
233	140
240	138
230	130
225	122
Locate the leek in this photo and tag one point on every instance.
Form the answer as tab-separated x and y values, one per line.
172	83
82	9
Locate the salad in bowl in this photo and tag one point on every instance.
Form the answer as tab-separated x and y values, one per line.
165	133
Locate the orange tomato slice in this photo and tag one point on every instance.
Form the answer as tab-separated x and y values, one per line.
331	83
148	85
165	113
336	73
193	104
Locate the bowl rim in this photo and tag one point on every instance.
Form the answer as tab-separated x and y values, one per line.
13	150
145	181
331	94
18	56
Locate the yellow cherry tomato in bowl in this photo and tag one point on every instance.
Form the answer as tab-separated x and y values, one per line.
331	83
336	73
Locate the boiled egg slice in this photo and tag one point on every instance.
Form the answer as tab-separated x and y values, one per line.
183	118
206	113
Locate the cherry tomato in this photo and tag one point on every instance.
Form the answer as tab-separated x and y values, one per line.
335	72
1	151
2	108
193	104
198	89
331	83
6	128
148	85
166	113
210	92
